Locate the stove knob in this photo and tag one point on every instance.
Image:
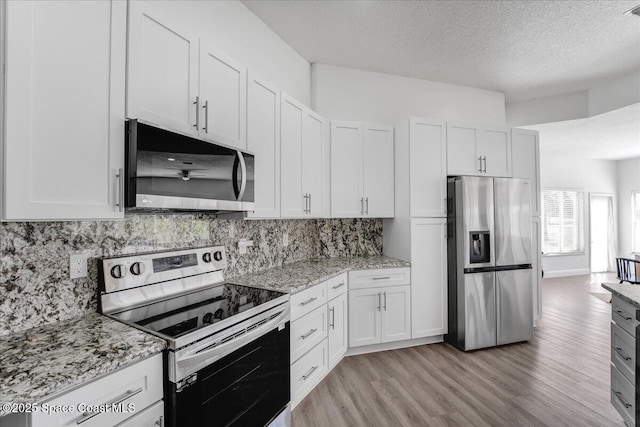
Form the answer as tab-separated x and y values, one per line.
217	255
137	268
207	318
118	271
206	257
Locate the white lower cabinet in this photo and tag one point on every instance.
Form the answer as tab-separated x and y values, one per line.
308	331
307	372
379	315
153	416
129	391
337	315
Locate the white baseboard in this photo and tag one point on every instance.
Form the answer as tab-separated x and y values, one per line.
565	273
353	351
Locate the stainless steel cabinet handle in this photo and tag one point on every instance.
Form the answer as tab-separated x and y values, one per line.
160	421
361	205
480	160
341	284
309	372
385	301
366	199
621	313
205	107
485	164
86	416
379	302
332	325
308	334
619	396
382	278
309	203
197	104
619	351
309	301
121	179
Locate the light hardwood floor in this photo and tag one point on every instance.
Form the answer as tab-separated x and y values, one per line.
559	378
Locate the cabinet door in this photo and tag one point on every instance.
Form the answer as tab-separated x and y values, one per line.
428	277
263	139
223	98
337	329
396	313
364	317
292	202
525	157
162	70
428	168
536	268
378	171
312	161
64	116
462	155
494	145
346	173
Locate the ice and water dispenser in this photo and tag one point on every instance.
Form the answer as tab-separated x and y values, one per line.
479	247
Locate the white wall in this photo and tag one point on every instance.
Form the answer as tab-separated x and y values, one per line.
568	106
614	94
340	93
628	177
591	176
235	30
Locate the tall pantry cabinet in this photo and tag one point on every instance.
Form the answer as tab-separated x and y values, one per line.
418	231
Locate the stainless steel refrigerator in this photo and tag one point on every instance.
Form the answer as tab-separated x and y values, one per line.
489	262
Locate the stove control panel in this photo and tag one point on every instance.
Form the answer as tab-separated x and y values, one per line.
124	272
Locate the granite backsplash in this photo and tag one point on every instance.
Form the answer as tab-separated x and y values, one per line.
35	288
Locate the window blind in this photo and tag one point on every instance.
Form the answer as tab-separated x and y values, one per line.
635	221
562	221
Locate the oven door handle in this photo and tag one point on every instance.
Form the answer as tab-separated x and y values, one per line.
219	351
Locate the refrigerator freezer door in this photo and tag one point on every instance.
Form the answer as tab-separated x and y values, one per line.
515	308
479	310
477	220
512	221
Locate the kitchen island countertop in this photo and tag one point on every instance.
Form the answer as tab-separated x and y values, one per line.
298	276
626	291
42	362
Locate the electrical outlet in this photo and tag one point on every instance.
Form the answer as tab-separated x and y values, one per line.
285	239
77	266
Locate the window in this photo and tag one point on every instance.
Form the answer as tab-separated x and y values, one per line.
635	221
562	222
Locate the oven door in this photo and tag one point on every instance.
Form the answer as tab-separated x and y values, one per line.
249	387
168	170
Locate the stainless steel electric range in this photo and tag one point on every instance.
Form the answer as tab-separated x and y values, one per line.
227	362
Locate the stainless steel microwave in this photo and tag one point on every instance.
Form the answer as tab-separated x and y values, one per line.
169	170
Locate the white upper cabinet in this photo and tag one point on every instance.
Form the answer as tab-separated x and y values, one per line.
64	109
428	167
377	167
162	70
263	139
362	170
302	161
525	153
346	173
179	81
222	98
482	151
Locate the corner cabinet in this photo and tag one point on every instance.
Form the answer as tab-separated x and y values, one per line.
302	172
362	170
481	151
179	81
525	153
64	120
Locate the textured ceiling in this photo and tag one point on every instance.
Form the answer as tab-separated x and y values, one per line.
613	136
525	49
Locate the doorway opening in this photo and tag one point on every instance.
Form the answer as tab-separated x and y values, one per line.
602	233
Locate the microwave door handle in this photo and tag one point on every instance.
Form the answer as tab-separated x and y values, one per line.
243	170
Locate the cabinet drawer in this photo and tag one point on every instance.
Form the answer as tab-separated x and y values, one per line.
308	300
308	371
623	352
337	286
139	384
623	396
150	417
624	314
377	278
308	331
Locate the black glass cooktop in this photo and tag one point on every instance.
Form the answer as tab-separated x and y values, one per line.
186	313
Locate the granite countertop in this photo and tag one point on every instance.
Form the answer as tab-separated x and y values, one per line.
298	276
42	362
626	291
